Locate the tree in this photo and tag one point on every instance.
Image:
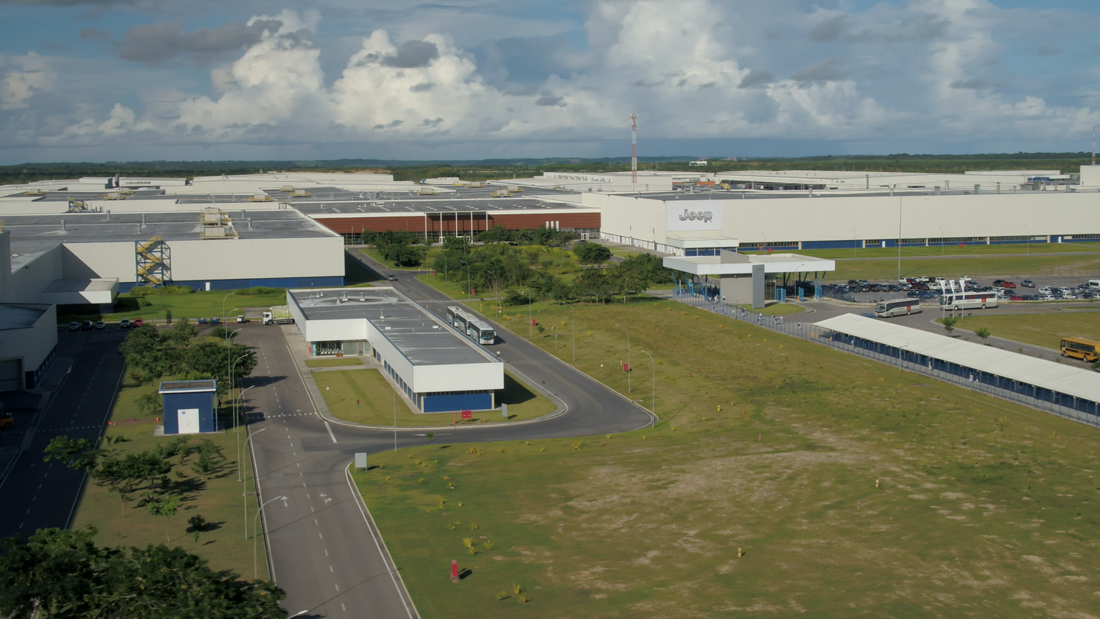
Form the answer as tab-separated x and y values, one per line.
405	255
983	333
591	253
210	359
63	574
78	454
165	508
209	459
949	323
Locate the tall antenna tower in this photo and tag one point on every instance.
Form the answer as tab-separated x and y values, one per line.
634	149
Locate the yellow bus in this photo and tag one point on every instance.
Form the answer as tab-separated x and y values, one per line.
1080	348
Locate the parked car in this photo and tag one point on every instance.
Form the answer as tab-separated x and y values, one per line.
1009	285
74	326
1044	290
138	322
124	323
1027	283
998	282
86	325
100	325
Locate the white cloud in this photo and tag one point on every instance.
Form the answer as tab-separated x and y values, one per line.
24	76
893	72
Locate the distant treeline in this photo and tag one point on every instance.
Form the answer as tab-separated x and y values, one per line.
503	168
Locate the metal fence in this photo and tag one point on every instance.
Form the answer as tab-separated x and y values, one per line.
1062	405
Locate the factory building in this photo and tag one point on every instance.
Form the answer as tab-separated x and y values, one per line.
436	367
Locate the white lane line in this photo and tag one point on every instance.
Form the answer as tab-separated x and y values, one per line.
326	551
359	501
315	522
342	607
320	536
330	570
330	434
337	587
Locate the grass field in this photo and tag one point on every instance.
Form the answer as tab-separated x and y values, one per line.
1044	330
333	362
1084	265
851	488
202	304
218	498
343	388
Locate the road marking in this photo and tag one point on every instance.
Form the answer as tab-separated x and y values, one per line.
342	607
303	484
320	536
337	587
299	464
315	521
326	551
311	510
300	474
330	570
307	495
330	434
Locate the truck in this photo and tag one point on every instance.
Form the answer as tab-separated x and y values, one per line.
278	316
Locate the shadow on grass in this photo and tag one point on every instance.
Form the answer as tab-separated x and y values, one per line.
514	392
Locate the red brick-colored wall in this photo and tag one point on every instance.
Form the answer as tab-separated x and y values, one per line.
415	223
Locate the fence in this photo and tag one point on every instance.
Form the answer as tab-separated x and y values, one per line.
1045	400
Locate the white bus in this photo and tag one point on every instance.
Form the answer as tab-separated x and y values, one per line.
968	300
897	307
482	332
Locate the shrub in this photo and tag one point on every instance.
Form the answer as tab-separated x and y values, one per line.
141	291
502	595
255	290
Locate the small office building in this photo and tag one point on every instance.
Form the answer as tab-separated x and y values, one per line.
438	368
741	279
190	406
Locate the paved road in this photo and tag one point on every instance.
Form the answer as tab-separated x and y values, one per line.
323	550
38	494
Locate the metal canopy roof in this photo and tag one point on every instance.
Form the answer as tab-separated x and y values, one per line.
1076	382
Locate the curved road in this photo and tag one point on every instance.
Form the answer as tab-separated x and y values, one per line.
324	551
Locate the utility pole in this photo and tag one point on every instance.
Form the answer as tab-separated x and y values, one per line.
634	151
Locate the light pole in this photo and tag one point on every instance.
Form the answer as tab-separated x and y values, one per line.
574	312
244	495
232	366
256	534
653	398
240	398
530	319
627	356
228	348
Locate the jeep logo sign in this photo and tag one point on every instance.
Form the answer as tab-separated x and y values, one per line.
689	217
697	216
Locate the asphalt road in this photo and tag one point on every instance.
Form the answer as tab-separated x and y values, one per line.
39	494
323	549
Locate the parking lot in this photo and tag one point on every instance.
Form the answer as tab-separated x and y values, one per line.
928	290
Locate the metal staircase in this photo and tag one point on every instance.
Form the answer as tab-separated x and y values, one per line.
154	262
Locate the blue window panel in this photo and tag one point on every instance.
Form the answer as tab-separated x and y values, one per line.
457	402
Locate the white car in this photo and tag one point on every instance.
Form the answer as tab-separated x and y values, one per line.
1045	290
1067	293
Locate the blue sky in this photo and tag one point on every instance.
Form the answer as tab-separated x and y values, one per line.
114	80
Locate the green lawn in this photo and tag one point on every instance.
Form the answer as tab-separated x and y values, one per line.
851	488
202	304
1084	265
218	498
1044	330
342	389
332	362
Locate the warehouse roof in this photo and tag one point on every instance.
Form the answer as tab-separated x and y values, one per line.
1056	377
421	337
433	205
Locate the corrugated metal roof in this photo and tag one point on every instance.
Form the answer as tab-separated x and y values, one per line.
1057	377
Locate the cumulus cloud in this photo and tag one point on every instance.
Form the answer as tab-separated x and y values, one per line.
162	42
24	76
681	68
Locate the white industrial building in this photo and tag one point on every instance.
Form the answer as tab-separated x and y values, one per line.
435	366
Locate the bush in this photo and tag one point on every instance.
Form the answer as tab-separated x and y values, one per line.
591	253
255	290
141	291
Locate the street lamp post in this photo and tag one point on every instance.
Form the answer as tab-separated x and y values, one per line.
244	495
256	534
627	356
234	401
239	398
653	398
530	318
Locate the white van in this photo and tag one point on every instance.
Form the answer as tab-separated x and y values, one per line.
1094	284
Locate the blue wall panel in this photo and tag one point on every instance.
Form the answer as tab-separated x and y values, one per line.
831	244
458	402
173	402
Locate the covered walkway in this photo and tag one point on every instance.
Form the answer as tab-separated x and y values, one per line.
1067	389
